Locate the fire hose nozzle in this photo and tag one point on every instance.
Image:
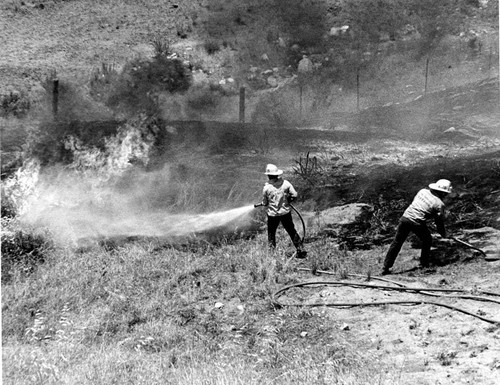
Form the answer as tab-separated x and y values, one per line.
258	205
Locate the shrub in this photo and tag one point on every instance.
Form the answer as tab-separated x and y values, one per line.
22	251
211	46
14	103
137	87
278	109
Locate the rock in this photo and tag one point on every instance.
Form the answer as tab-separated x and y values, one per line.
338	217
272	81
264	57
304	334
305	65
345	327
338	31
218	305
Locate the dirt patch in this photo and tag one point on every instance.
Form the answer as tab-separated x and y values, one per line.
420	343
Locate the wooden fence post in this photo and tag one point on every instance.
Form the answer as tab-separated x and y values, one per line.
426	74
55	97
242	104
301	86
357	89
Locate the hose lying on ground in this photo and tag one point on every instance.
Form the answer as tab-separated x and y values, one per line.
425	291
380	303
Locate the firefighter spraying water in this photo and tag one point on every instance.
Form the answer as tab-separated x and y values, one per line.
277	196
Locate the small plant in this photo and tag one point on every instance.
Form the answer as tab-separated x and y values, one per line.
308	168
211	46
446	359
102	79
161	47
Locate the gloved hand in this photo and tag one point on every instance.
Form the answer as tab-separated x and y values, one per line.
290	198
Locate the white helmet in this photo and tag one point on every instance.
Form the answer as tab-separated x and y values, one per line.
271	169
443	185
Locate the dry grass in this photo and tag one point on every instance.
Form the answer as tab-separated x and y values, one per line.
145	312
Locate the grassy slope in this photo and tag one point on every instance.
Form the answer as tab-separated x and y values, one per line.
75	37
147	314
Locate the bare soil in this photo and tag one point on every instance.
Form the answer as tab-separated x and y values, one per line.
420	343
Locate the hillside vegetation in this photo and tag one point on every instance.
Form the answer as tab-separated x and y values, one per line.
227	45
125	200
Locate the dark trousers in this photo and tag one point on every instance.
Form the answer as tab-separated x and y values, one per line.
406	226
287	221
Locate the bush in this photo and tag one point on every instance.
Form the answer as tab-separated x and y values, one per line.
137	87
22	251
14	103
211	47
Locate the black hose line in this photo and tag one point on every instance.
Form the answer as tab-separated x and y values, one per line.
366	285
489	320
302	221
400	287
426	291
360	304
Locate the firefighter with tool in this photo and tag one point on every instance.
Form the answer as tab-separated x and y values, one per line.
427	204
278	194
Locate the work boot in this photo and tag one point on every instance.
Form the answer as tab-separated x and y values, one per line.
385	272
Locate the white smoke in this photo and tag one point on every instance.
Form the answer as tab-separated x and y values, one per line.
106	193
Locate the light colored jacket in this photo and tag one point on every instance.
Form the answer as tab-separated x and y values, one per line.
426	206
275	196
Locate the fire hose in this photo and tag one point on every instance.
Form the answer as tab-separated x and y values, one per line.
298	214
381	303
400	287
302	221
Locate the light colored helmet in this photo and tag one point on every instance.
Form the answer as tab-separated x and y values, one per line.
271	169
443	185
